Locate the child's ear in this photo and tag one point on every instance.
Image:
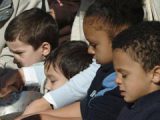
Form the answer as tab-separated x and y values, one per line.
46	48
156	75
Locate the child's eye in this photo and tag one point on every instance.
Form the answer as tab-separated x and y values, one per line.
93	45
124	75
53	81
19	53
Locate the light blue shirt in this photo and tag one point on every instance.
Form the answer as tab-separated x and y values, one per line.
108	84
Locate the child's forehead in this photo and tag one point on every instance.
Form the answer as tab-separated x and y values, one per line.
95	29
96	23
21	38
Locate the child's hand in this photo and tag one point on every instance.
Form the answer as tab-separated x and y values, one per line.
10	81
37	106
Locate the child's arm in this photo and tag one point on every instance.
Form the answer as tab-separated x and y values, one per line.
73	90
37	106
70	111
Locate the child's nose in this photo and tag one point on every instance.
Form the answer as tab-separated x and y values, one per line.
48	85
118	80
16	58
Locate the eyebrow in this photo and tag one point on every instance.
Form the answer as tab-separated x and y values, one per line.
49	75
17	51
121	70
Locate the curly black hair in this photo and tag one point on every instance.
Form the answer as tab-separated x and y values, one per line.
142	43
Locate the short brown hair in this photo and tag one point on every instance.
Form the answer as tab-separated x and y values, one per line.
33	27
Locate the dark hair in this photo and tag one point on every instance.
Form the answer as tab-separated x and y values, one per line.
33	27
114	15
142	43
71	57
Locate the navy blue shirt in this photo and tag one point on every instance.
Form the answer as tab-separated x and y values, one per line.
146	108
106	107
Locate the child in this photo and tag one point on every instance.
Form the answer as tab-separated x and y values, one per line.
9	9
137	64
64	62
102	22
31	36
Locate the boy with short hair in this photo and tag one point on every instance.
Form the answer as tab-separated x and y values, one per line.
31	36
137	64
9	9
64	62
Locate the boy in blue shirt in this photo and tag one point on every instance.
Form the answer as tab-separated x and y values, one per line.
137	64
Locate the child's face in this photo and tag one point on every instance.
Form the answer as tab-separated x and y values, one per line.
55	78
132	80
99	44
24	54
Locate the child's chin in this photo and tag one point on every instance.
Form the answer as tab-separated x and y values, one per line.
128	100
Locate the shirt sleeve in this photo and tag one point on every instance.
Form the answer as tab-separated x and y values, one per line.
34	74
73	90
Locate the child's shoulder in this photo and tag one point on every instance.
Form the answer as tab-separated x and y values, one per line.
146	108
